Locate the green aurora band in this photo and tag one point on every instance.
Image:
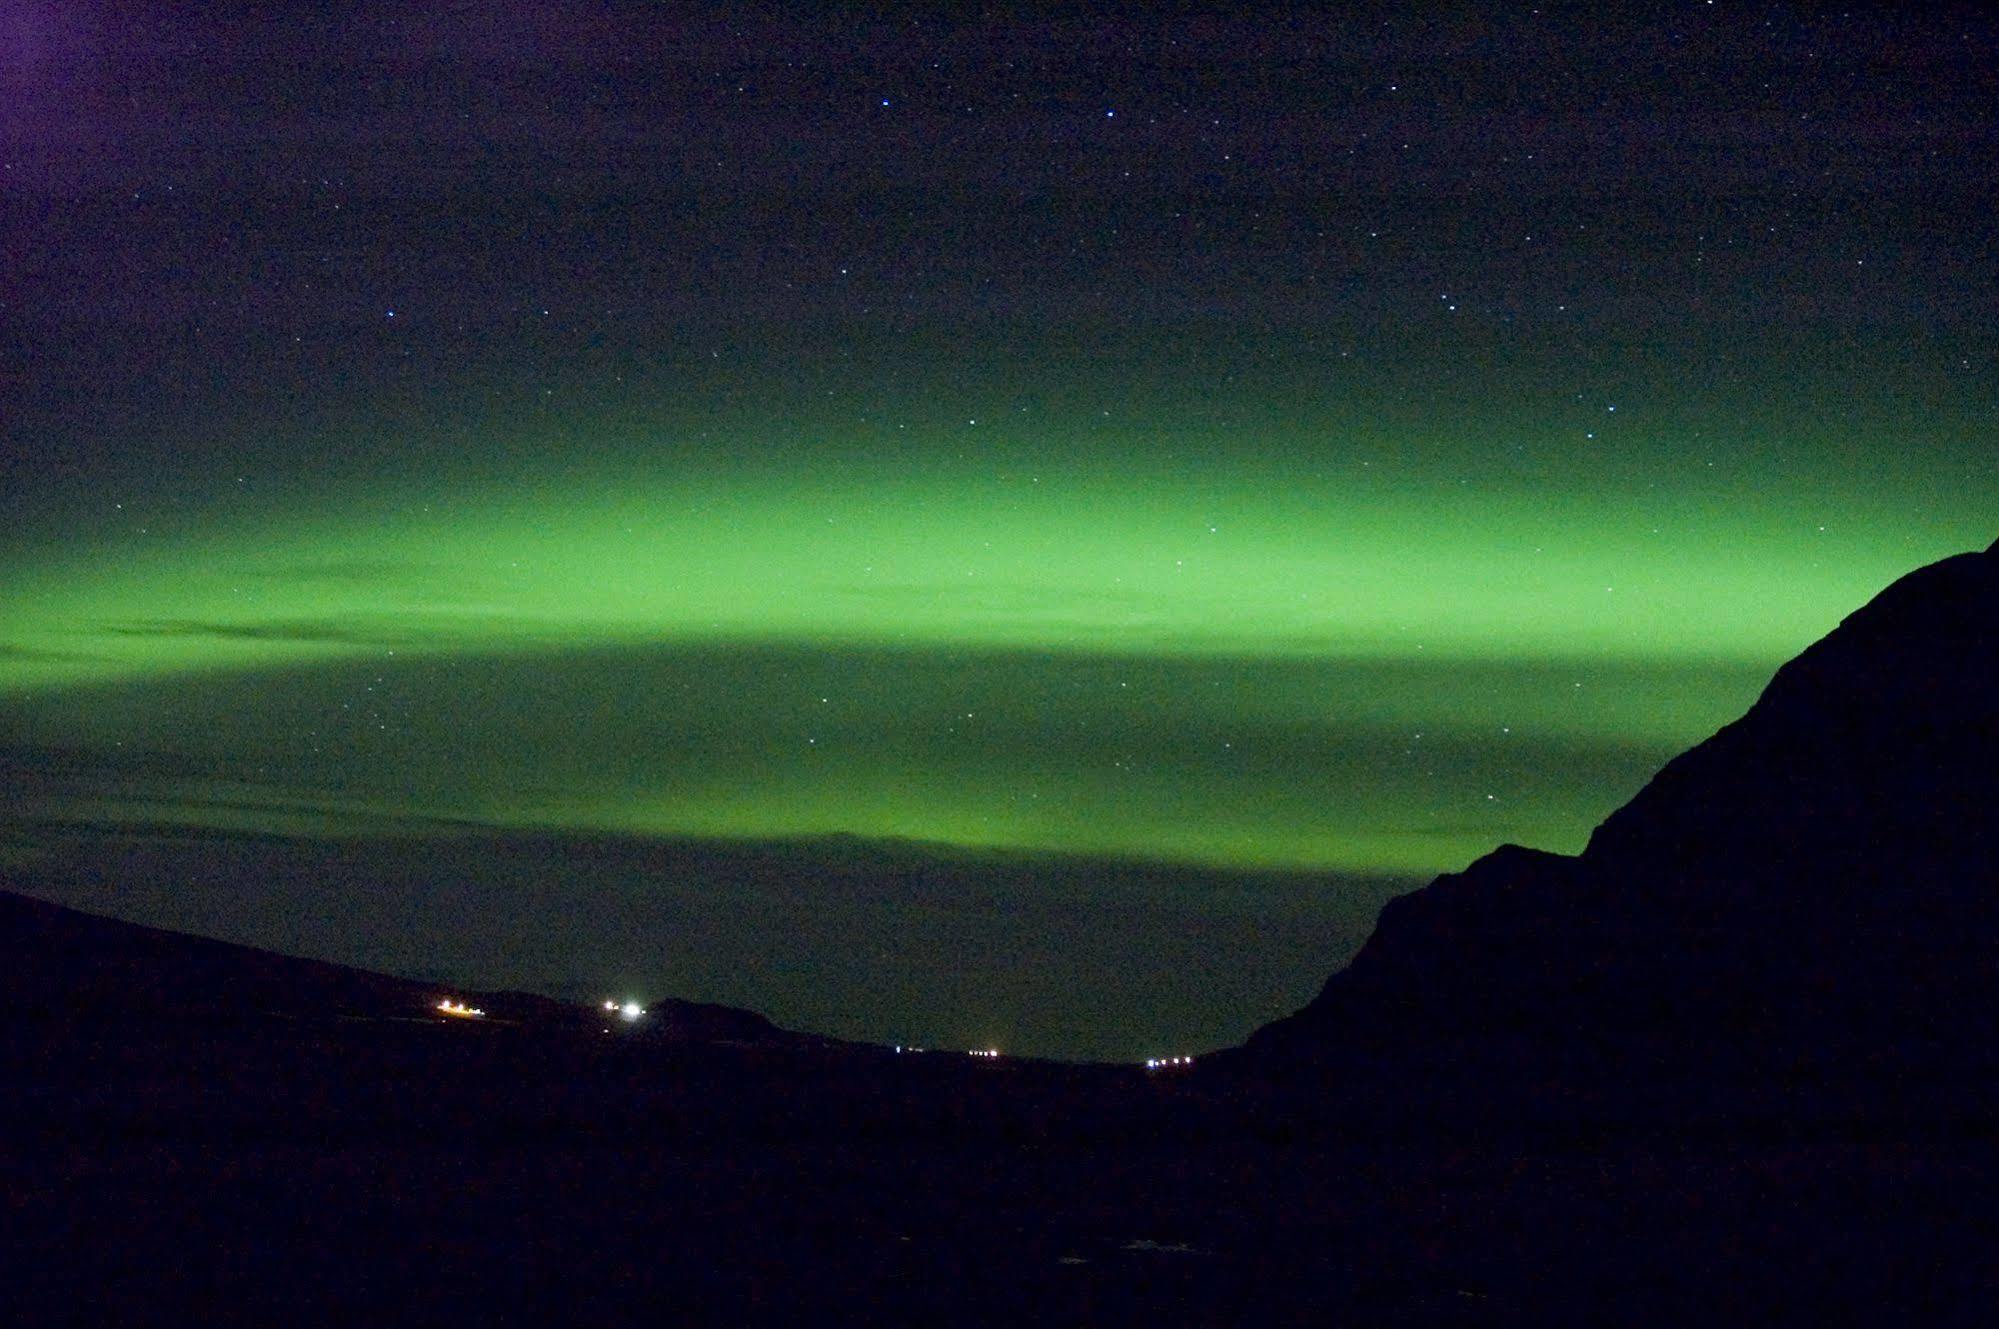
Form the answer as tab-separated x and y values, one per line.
1231	662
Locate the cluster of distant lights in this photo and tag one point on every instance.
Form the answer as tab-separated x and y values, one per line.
993	1054
630	1011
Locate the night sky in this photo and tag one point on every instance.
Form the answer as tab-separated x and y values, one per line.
1010	534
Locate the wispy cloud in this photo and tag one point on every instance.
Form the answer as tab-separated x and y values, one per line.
12	651
352	572
318	631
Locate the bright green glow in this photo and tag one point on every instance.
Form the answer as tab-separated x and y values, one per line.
1041	560
1385	765
1212	660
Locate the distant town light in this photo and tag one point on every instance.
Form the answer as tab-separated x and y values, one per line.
624	1010
459	1009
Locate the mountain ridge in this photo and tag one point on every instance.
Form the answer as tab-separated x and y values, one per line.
1812	893
59	962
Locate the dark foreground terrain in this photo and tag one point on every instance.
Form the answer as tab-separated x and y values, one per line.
388	1165
1732	1065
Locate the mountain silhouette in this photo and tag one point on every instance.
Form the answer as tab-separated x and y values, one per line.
63	965
1805	904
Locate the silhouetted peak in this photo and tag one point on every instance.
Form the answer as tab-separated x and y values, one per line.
1879	736
1816	884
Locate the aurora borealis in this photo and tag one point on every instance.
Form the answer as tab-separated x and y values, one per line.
844	548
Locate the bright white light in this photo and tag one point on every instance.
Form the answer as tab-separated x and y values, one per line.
610	1005
631	1010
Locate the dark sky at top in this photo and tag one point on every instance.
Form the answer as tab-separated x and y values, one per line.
490	489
